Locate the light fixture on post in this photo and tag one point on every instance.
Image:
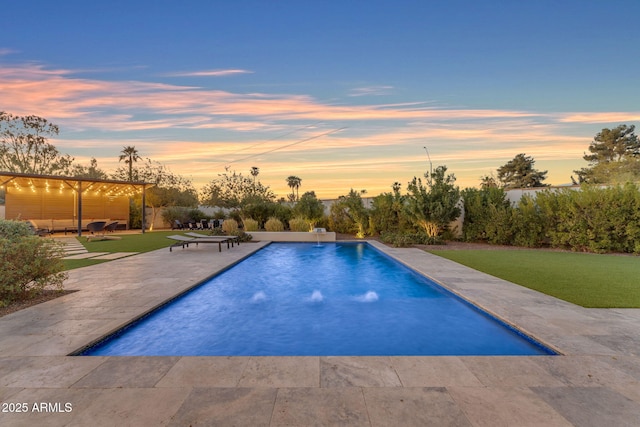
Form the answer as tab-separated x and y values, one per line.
430	165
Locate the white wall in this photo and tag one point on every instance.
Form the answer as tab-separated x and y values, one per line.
516	194
293	236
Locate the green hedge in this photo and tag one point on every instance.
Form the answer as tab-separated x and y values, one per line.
592	219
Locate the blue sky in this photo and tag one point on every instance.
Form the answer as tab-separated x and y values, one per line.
341	94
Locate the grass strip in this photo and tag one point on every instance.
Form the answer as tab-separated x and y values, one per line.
146	242
149	241
588	280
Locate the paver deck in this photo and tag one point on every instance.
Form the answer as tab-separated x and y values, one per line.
595	382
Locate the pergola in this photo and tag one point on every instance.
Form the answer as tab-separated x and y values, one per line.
57	198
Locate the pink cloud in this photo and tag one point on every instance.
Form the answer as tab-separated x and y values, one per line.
383	142
98	104
600	117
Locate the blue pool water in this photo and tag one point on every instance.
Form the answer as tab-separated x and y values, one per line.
305	299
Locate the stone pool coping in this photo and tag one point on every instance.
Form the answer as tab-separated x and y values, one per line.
596	381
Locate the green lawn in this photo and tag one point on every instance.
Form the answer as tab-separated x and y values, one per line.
149	241
589	280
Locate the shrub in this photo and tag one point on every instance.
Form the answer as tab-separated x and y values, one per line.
219	214
182	214
257	209
282	212
250	224
593	219
499	229
235	215
244	237
173	213
480	209
435	205
528	224
28	263
348	215
273	224
403	240
387	214
598	219
14	230
299	224
196	214
216	232
135	213
309	208
230	226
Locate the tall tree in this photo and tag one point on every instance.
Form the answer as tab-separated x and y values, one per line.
231	190
130	156
24	147
488	181
170	189
519	173
294	183
92	171
615	156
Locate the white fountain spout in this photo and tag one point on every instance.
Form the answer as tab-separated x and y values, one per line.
318	231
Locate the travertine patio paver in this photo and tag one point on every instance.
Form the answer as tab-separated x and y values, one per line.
595	382
114	255
85	255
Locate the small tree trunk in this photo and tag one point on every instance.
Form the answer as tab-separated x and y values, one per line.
431	228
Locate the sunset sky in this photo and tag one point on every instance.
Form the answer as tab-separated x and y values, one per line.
343	94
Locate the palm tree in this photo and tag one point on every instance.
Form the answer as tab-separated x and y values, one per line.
254	173
294	183
129	155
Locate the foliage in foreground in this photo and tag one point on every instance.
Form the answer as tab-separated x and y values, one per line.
28	263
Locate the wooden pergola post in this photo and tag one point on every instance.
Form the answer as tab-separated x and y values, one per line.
79	191
144	210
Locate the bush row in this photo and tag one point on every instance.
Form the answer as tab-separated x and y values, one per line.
593	219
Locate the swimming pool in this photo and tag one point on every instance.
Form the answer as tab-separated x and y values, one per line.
302	299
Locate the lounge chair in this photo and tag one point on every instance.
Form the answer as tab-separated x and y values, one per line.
184	241
177	225
232	239
40	231
111	227
96	227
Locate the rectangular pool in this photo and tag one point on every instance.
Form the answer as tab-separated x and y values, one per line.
301	299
